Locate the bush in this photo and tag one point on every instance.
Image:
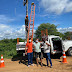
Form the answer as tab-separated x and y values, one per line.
8	47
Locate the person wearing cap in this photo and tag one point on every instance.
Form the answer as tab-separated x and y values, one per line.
38	52
29	52
47	52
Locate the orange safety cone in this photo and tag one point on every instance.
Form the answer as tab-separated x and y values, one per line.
64	58
2	62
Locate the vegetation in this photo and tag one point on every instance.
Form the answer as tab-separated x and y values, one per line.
52	30
8	47
68	35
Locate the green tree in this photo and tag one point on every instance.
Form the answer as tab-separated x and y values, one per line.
8	47
68	35
60	34
51	30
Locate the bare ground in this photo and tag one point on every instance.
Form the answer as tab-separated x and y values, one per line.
58	66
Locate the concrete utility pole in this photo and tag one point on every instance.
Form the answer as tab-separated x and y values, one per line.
25	2
26	7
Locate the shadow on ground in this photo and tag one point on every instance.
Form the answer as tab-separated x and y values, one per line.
22	59
56	56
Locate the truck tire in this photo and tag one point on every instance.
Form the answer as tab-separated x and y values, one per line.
70	51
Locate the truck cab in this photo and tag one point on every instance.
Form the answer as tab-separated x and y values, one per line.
68	47
56	44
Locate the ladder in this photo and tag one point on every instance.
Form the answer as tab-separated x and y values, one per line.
31	23
44	34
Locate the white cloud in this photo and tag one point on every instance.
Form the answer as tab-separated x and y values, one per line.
63	30
3	27
56	6
5	19
8	32
69	7
42	15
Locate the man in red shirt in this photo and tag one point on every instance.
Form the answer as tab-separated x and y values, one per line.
29	52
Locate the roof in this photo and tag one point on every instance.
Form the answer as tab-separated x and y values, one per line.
52	36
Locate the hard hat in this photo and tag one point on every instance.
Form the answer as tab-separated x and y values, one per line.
26	15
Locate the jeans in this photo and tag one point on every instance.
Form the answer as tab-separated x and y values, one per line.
48	57
30	58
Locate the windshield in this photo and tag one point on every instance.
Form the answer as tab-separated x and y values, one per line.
55	39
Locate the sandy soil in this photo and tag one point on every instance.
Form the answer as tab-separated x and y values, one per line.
58	66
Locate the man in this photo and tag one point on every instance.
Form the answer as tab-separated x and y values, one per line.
47	52
38	52
29	52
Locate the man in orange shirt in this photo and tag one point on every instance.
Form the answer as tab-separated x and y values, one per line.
29	52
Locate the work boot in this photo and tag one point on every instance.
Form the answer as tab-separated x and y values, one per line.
50	66
32	64
28	65
47	65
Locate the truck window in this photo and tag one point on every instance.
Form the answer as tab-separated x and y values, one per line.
55	39
57	44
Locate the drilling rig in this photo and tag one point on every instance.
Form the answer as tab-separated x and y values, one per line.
25	2
29	27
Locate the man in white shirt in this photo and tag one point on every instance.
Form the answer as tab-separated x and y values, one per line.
38	52
47	52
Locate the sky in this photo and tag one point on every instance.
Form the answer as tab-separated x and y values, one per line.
12	16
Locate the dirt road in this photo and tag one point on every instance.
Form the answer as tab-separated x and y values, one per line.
58	66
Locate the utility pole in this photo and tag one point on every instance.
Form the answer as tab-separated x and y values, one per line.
25	2
26	7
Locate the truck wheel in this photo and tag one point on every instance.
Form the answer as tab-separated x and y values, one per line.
70	51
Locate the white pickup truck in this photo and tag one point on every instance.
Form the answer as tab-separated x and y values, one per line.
57	45
67	46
